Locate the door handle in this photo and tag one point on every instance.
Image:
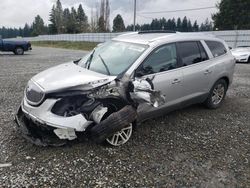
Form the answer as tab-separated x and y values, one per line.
176	81
207	72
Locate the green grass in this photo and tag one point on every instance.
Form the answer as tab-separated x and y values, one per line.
66	44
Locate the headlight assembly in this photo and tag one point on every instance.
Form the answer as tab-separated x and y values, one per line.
34	94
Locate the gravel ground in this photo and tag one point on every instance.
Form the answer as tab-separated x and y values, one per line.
193	147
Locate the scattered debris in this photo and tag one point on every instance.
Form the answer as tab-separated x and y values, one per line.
5	165
28	157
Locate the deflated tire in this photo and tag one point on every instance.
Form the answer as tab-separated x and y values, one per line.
114	123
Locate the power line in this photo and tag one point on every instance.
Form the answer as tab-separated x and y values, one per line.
179	10
147	17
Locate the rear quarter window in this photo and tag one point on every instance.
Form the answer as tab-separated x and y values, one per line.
191	52
217	48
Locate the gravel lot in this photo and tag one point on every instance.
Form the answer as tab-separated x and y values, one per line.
193	147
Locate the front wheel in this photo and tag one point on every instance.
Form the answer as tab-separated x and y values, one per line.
19	51
217	94
116	128
121	137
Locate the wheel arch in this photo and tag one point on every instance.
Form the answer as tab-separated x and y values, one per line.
19	46
226	79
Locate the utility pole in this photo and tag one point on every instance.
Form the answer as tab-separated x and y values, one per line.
134	13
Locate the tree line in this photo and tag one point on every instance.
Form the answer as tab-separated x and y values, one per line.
231	15
182	25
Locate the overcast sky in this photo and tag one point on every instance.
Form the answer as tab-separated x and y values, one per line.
15	13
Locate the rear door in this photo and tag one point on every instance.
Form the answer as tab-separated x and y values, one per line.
196	68
162	67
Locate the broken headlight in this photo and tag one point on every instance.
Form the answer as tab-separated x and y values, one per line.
34	93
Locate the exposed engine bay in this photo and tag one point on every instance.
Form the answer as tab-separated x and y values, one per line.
105	112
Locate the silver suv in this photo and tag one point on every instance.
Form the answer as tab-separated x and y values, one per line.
131	78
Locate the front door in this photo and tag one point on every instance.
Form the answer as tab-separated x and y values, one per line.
161	66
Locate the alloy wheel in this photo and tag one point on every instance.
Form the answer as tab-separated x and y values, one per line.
218	94
121	137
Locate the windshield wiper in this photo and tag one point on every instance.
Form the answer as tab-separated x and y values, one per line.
90	59
105	65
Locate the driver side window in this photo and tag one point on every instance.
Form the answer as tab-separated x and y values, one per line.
162	59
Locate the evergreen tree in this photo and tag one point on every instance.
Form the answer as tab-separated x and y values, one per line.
73	21
184	24
179	25
82	20
206	26
59	17
56	18
163	24
155	24
189	26
38	27
130	27
118	24
67	20
173	25
52	19
144	27
233	14
26	31
195	27
169	25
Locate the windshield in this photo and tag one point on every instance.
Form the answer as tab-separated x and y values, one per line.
113	57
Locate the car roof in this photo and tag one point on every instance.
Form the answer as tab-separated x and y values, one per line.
161	37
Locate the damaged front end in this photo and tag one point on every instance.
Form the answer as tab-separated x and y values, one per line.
104	112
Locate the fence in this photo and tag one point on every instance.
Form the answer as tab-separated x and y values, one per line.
233	38
88	37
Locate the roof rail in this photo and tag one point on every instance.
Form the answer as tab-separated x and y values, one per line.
155	31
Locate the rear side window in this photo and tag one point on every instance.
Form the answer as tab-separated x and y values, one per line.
217	48
191	52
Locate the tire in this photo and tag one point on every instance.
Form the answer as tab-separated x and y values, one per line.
217	94
19	51
117	121
248	60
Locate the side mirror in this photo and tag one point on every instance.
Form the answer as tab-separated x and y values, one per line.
230	48
138	73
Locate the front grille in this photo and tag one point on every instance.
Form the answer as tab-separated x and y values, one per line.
34	94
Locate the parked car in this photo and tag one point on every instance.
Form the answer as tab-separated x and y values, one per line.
122	82
242	54
17	47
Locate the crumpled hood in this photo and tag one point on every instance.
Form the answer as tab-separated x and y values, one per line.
69	75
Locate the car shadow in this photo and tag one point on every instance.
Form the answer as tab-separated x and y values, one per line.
11	55
242	63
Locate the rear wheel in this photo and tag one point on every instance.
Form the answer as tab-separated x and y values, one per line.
19	51
217	94
248	60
